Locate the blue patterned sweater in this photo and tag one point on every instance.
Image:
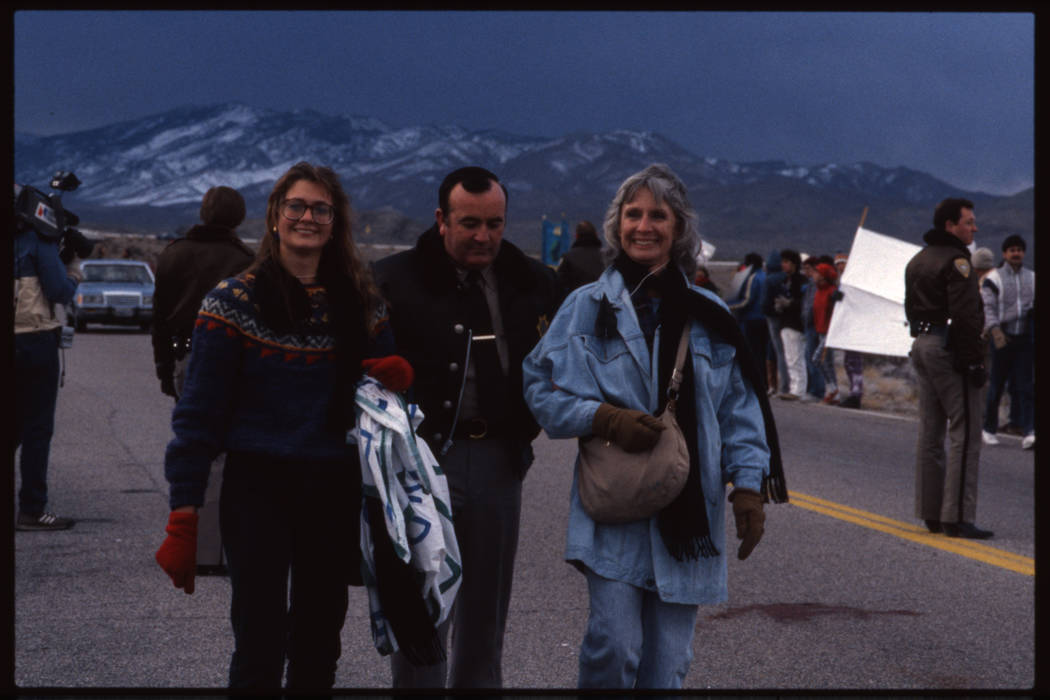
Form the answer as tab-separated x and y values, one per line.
251	389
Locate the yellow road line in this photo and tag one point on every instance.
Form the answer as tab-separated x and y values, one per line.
967	548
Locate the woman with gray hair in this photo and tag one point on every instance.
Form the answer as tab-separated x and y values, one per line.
603	369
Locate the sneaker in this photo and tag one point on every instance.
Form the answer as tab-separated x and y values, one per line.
1028	442
832	399
44	521
787	396
989	438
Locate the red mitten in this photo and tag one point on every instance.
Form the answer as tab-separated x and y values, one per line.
392	371
178	553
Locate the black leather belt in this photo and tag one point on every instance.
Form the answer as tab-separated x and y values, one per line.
475	429
928	328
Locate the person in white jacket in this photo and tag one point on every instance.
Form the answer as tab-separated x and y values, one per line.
1008	295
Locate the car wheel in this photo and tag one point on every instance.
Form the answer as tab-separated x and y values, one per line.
80	324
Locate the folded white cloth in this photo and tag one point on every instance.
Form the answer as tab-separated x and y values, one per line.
400	470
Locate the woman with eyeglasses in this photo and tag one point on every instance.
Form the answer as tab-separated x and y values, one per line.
276	354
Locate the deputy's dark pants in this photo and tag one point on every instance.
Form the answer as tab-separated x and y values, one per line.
483	478
278	516
945	485
36	393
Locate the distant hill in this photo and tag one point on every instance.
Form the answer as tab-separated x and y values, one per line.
148	175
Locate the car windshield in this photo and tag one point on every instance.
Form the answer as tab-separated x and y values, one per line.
116	273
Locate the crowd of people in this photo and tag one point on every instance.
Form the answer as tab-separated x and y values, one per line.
264	356
784	307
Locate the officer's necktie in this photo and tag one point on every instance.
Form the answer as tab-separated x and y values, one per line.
489	380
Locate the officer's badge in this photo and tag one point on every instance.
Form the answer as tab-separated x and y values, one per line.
963	266
542	324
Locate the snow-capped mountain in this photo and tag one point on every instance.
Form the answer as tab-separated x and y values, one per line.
158	167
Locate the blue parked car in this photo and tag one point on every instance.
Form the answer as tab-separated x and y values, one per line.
118	292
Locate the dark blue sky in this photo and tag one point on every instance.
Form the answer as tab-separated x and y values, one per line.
946	93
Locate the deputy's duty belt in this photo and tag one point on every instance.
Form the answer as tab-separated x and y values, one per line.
928	328
474	429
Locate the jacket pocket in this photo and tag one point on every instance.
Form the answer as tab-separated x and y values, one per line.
605	350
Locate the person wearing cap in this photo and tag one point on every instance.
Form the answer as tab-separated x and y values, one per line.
1008	294
943	307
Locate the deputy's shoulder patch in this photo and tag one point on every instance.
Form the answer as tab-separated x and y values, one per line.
963	266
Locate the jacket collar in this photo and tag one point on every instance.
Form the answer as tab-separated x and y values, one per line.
936	236
208	232
438	271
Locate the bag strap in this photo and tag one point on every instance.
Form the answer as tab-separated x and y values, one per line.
679	362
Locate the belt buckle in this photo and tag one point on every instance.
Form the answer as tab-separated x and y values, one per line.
484	429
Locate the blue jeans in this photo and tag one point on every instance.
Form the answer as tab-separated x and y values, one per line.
36	394
776	351
633	639
1014	362
815	373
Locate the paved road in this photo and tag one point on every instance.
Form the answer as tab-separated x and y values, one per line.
844	592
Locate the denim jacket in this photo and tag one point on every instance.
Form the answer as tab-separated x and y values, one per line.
572	371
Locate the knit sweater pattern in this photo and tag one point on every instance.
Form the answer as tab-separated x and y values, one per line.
251	389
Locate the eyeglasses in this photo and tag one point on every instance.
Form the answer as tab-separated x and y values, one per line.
295	209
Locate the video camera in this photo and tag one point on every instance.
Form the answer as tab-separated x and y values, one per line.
45	214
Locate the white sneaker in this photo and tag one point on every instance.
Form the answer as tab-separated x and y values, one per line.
1028	442
990	439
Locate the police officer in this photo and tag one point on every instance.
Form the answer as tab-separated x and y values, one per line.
42	281
466	307
943	305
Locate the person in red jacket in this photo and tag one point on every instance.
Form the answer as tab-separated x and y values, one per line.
826	278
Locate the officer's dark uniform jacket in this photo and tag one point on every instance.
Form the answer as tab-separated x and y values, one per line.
187	269
422	290
941	286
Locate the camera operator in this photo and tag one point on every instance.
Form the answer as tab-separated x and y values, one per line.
42	281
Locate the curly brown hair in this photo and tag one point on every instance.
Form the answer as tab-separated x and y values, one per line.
347	258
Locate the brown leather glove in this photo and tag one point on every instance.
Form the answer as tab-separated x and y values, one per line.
634	431
750	519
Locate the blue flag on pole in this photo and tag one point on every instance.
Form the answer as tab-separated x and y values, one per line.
550	250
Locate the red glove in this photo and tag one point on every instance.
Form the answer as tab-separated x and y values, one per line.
392	371
178	553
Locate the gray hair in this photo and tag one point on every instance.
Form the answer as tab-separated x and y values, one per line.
665	187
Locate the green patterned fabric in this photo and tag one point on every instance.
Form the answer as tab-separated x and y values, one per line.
401	472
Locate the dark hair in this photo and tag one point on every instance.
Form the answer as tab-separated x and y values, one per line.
340	252
1013	240
950	210
667	188
474	179
585	231
754	260
792	255
222	206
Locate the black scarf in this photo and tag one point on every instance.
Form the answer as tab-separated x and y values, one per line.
285	308
683	523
